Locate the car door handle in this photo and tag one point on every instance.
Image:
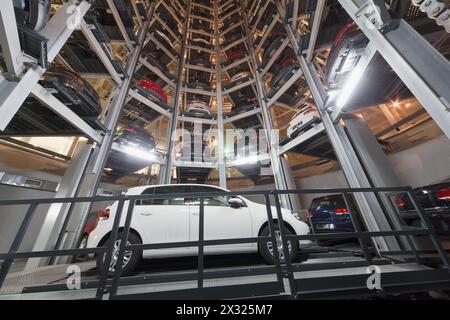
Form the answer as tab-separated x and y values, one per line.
146	214
195	213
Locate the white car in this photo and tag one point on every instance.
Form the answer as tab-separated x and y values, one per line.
240	76
177	220
198	108
303	120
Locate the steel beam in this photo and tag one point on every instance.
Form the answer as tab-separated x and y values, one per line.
372	213
164	24
9	39
272	138
119	23
64	112
421	67
242	115
166	176
149	103
219	103
317	19
137	13
156	71
275	56
53	223
239	86
295	76
197	120
236	63
94	169
267	32
163	48
98	49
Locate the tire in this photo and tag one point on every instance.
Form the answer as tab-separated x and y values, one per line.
133	259
83	244
266	253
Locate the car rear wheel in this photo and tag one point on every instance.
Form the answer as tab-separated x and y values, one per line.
267	249
130	258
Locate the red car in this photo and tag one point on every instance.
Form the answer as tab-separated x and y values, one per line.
151	89
234	56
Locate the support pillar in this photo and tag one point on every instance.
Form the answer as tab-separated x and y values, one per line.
166	177
57	212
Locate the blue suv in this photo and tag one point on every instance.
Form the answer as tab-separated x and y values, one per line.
330	214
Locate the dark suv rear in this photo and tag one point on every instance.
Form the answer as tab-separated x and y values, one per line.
330	214
435	201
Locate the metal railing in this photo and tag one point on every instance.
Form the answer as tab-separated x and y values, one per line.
282	268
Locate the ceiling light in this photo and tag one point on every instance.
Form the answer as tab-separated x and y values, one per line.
396	104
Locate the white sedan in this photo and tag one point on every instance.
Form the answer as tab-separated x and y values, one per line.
177	220
302	121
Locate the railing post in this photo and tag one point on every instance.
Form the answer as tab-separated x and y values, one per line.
201	236
121	253
357	227
17	241
109	251
409	238
276	256
281	226
440	249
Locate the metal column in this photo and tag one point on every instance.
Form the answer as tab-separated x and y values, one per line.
272	138
372	212
420	66
9	39
219	102
93	172
166	177
57	212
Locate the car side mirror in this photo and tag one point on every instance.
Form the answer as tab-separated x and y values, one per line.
236	203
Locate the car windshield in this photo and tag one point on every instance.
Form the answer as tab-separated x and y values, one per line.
328	202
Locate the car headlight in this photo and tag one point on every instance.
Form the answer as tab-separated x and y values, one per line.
297	215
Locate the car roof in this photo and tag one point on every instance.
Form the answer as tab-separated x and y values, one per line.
139	190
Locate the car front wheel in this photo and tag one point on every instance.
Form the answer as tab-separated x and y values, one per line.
130	258
267	249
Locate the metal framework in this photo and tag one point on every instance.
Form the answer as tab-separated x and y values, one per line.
421	67
260	285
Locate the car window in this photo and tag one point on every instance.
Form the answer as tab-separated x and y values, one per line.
164	191
221	201
328	202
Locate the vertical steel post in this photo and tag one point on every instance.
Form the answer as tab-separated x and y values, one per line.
284	241
372	212
9	39
201	239
166	177
96	164
271	225
219	103
17	241
107	256
272	138
120	255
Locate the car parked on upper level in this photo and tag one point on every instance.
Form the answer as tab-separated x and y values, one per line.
72	90
234	56
135	148
275	40
198	108
33	14
303	120
284	72
330	214
152	91
177	220
435	201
